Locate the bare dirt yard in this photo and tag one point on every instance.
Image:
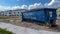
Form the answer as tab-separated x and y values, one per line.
18	22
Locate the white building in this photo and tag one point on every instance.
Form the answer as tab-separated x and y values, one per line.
16	12
58	12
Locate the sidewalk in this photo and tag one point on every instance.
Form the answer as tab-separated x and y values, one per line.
22	30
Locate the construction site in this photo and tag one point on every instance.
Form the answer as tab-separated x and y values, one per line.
15	20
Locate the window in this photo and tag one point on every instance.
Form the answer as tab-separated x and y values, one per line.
14	12
5	15
9	12
18	12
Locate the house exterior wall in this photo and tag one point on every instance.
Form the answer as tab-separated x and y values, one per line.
12	12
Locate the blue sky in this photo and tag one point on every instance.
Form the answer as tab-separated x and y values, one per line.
28	4
21	2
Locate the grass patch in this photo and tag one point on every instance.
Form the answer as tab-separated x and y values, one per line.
4	31
5	17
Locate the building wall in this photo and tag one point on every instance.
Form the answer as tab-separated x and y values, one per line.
12	12
58	12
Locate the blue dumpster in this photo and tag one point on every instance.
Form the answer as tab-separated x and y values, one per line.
42	15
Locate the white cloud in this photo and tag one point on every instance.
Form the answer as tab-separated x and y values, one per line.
53	4
35	6
4	7
15	7
24	7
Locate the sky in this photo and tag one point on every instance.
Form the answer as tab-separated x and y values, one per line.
28	4
21	2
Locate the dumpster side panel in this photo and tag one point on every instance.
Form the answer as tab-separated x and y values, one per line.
54	16
47	15
34	15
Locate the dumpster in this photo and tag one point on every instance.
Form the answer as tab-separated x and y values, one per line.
42	15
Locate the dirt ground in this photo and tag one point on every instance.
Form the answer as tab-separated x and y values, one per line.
18	22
